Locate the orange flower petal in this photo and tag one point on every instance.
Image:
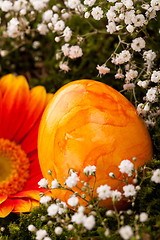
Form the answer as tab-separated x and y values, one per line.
3	198
35	203
34	111
33	194
21	205
15	94
6	207
49	97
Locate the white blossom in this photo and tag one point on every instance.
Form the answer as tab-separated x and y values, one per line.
13	28
73	3
89	170
111	27
143	217
128	86
43	183
78	218
129	190
156	176
31	228
72	180
6	6
126	232
155	5
90	3
73	201
97	13
62	207
40	234
64	66
87	14
139	20
89	222
104	192
155	77
116	195
131	74
59	25
128	3
54	184
137	44
67	33
45	199
52	210
103	69
151	95
47	15
130	28
129	16
39	5
65	49
75	52
58	230
127	167
42	28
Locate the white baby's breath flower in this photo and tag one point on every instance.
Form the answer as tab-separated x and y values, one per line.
47	15
89	170
40	234
72	180
31	228
90	3
42	28
139	20
103	69
111	27
130	28
52	210
126	232
45	199
116	195
43	183
143	217
151	95
6	5
155	5
73	3
75	52
131	74
58	230
73	201
128	86
65	49
64	66
54	184
59	25
129	190
156	176
89	222
67	33
81	209
78	218
127	167
137	44
97	13
104	192
155	77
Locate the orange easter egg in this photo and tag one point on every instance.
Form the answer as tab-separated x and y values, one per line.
90	123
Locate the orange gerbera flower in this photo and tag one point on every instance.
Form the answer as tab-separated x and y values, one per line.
20	113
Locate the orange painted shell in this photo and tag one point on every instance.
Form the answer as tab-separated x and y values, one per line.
90	123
